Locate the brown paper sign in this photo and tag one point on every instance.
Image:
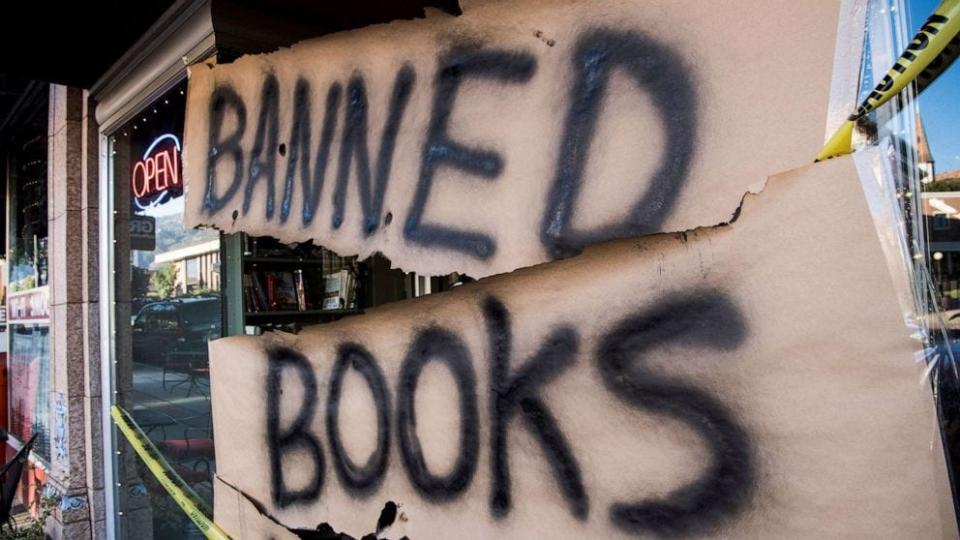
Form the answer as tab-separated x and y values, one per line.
748	381
511	135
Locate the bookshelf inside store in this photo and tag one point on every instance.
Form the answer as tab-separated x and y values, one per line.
296	284
288	286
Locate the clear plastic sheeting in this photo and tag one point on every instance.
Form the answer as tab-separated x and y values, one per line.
884	170
889	168
887	162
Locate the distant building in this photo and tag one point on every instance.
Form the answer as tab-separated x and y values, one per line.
948	178
941	220
198	266
924	156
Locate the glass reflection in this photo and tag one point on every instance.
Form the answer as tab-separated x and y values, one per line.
168	307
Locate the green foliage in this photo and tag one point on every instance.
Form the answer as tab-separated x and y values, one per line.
28	282
953	293
206	291
32	527
948	184
139	282
163	281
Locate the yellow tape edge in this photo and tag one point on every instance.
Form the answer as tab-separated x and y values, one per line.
181	493
841	142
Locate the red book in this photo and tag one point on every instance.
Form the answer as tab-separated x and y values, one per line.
271	291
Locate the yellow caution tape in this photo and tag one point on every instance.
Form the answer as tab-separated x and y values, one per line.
939	64
182	494
929	47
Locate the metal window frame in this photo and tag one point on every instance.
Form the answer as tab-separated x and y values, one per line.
155	63
845	78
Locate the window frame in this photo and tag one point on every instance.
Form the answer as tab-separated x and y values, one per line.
153	65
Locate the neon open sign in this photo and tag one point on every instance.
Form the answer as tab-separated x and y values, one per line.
157	175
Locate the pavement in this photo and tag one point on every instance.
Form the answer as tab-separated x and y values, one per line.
179	410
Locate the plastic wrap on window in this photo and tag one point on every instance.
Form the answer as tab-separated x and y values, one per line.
890	186
887	162
888	166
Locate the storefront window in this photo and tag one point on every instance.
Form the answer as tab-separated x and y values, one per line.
28	299
168	306
30	385
28	219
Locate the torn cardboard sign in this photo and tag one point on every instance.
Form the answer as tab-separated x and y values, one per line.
752	380
514	134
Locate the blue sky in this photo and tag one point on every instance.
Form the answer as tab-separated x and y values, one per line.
940	103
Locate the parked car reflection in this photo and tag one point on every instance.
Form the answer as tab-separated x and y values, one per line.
179	325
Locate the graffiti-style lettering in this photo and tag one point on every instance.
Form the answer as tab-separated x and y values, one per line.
263	155
700	319
296	437
697	320
518	394
222	99
658	71
355	146
311	181
439	345
359	480
664	75
439	150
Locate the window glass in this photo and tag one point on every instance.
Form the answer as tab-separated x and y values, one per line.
28	298
30	385
28	216
168	307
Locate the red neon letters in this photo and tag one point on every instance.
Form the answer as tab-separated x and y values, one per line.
157	172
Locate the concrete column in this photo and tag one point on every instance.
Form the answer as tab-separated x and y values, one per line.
76	456
90	296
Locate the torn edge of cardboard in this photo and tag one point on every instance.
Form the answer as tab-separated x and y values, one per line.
324	530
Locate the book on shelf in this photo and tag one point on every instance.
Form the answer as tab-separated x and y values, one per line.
258	293
301	290
288	287
249	297
281	290
339	290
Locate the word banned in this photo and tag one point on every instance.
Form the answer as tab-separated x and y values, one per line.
243	138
